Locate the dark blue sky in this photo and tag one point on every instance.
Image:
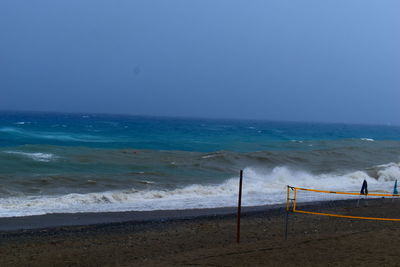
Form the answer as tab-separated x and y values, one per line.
333	61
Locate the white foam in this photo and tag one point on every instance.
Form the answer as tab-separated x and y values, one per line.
146	182
389	172
368	139
209	156
36	156
260	187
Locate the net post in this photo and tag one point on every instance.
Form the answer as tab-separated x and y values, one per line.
287	211
239	207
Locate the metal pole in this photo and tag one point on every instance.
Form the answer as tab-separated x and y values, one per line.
239	207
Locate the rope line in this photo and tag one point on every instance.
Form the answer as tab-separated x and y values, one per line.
346	216
345	193
291	204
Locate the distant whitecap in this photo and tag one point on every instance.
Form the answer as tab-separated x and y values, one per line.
368	139
37	156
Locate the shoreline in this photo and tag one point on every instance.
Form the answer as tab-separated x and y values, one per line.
97	218
56	220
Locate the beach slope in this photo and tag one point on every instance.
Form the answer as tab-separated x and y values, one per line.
210	241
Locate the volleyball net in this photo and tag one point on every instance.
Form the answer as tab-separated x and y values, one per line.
352	205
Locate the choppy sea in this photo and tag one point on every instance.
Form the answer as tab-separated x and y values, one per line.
67	163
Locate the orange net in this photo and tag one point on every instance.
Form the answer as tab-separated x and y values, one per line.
342	204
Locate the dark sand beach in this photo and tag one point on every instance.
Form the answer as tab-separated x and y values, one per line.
204	238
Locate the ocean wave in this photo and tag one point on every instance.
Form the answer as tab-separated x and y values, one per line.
36	156
260	187
72	137
57	136
297	141
9	130
367	139
388	172
209	156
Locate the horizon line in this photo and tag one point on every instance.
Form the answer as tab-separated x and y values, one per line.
196	117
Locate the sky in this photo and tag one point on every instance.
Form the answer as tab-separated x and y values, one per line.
309	60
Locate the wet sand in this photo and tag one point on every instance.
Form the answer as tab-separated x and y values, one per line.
209	239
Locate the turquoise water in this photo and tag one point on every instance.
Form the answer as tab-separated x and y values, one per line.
201	135
54	162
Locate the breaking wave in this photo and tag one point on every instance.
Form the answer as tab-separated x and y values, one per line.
260	187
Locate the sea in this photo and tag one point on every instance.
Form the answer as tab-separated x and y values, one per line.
69	163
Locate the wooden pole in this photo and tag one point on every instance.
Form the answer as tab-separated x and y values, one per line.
239	207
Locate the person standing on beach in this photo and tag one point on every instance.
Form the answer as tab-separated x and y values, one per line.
364	188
